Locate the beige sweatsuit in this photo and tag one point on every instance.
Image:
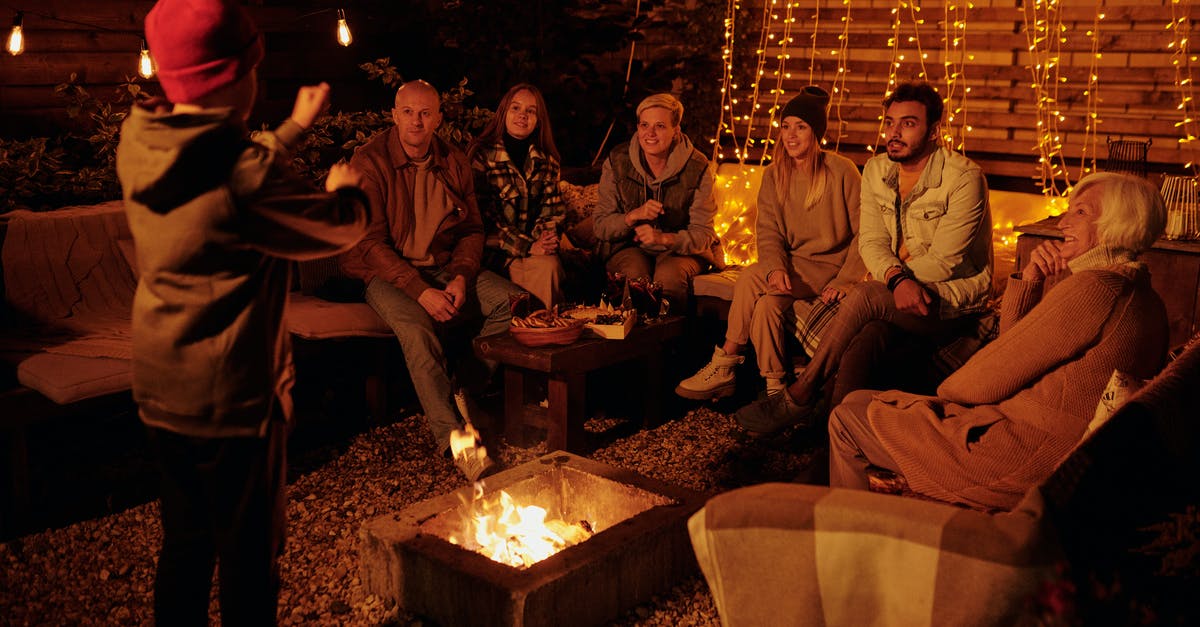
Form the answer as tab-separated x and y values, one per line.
816	245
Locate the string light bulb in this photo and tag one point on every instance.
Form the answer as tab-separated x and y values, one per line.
145	62
16	38
343	29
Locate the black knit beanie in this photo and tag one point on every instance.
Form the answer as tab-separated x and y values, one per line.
809	105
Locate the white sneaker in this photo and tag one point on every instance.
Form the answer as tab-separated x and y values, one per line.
715	380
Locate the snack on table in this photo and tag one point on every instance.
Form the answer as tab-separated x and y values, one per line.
542	319
544	327
604	320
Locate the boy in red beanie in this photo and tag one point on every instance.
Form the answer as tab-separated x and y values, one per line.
216	216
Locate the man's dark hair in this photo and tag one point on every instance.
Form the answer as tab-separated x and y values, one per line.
921	92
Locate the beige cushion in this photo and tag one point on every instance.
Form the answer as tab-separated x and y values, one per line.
65	379
314	318
716	284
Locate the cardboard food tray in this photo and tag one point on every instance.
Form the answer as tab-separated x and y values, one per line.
612	331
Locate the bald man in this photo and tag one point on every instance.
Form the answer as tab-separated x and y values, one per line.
420	258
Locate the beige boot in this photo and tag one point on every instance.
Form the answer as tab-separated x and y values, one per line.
775	386
715	380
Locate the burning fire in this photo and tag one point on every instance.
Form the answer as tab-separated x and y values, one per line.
513	534
498	527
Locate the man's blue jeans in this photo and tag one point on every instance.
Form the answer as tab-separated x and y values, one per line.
487	298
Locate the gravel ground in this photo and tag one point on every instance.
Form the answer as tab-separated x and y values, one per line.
101	571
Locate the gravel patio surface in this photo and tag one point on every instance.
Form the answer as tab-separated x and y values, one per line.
101	571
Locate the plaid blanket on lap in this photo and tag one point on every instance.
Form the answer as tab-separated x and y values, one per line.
792	554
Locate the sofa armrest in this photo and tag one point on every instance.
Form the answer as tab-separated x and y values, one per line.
800	554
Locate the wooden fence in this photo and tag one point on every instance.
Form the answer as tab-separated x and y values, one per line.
1136	96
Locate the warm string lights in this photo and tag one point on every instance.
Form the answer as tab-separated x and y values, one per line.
727	84
954	61
1092	93
899	57
146	67
893	70
1045	34
736	189
16	37
765	37
781	72
343	29
839	90
1182	59
733	221
737	183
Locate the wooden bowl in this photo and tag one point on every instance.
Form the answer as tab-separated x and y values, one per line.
532	336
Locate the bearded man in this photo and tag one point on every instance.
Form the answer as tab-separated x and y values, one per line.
926	238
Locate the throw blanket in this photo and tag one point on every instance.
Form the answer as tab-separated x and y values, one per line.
792	554
65	275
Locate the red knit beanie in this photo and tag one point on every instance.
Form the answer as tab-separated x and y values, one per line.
201	46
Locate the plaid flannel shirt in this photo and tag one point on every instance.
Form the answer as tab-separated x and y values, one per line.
517	209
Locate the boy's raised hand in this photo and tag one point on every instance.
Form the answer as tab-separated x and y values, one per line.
342	174
311	102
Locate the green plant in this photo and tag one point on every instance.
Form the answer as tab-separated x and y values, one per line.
76	167
79	166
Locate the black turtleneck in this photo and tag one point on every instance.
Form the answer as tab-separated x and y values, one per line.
517	149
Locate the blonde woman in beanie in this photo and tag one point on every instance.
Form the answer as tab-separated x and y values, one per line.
807	248
217	217
654	214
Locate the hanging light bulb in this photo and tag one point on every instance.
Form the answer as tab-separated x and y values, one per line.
16	39
146	62
343	29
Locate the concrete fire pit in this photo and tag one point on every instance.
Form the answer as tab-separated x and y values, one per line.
641	548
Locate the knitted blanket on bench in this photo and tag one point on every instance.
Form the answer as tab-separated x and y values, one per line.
66	276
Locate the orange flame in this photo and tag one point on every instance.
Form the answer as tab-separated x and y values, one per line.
518	535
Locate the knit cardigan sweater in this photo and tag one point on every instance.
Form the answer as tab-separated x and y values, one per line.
1002	423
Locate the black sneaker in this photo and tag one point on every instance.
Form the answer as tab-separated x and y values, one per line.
772	414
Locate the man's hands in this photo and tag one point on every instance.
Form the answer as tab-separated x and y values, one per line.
311	103
444	304
912	298
1046	260
341	174
649	211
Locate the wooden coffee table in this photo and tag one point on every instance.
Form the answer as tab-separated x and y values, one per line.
565	368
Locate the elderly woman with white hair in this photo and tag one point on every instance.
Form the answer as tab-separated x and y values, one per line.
1001	423
654	213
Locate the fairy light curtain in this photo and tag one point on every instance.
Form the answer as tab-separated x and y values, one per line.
1180	29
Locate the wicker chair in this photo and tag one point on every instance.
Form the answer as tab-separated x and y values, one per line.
1127	155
